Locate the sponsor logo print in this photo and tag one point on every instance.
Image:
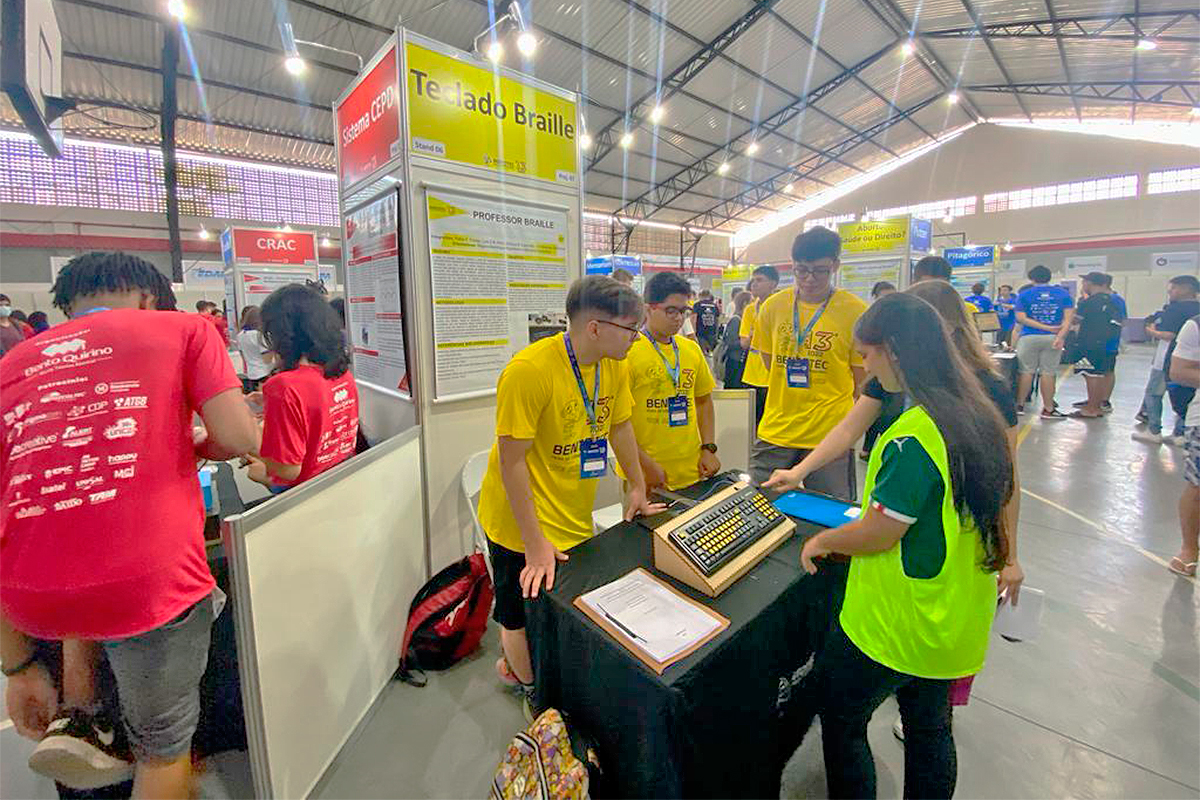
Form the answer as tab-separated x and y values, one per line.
54	487
53	473
17	480
76	355
124	472
34	444
102	497
88	463
122	458
133	401
88	483
124	428
76	437
340	395
61	397
69	346
71	502
17	413
30	511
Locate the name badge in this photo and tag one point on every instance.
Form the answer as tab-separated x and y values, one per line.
797	373
593	458
677	411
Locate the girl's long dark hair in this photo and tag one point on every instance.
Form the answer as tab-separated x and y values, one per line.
297	322
936	378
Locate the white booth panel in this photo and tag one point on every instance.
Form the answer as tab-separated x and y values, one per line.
322	579
383	414
734	409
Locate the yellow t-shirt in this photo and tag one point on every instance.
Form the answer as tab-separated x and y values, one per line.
754	373
677	450
802	417
538	398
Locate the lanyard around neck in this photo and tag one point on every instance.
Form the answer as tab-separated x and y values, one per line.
801	338
675	371
589	403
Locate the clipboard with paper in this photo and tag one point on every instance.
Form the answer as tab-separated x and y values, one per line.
652	620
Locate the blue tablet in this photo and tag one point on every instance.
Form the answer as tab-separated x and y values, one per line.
819	509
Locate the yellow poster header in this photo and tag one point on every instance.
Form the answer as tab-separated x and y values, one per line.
468	113
874	237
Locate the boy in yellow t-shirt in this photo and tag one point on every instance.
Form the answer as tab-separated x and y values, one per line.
560	404
763	283
805	339
672	392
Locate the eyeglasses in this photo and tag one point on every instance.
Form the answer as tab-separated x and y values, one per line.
805	272
633	332
672	311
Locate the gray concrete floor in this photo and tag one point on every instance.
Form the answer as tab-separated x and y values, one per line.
1105	704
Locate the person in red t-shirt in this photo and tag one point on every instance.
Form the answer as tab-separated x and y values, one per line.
101	519
310	407
212	312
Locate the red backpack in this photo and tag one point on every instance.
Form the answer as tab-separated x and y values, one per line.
447	619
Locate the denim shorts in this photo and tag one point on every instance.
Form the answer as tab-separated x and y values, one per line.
158	680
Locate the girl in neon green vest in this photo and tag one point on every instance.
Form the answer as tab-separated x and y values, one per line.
922	589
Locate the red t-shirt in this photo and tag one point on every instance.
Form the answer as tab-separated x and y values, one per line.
309	419
103	521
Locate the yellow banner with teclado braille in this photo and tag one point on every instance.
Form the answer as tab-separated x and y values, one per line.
882	236
465	112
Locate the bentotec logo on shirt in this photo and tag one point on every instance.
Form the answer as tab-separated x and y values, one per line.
70	346
819	341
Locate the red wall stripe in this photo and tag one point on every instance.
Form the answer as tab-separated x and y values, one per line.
143	244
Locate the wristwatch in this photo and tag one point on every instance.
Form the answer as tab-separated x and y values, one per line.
710	447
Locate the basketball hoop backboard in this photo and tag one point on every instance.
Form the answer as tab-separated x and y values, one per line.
31	68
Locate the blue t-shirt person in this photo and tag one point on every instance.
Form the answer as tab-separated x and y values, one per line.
1005	310
980	301
1044	303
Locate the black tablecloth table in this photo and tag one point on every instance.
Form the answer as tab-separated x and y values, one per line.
710	726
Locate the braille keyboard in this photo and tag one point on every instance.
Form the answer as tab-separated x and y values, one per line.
721	532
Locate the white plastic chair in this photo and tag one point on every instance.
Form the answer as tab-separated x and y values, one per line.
471	480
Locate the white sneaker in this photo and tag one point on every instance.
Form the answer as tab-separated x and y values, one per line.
898	729
1173	441
1147	437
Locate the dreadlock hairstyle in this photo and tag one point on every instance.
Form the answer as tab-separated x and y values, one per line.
95	273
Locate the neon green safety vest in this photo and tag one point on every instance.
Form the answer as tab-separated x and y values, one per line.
928	627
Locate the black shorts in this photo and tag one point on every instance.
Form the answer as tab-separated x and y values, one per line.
1095	361
506	577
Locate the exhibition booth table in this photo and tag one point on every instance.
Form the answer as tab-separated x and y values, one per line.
718	723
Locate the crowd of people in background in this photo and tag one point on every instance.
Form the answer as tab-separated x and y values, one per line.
826	368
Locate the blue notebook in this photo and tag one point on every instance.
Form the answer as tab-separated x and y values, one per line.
817	508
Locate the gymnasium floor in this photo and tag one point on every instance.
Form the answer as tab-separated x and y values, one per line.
1106	704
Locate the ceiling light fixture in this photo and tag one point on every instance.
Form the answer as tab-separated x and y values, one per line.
325	242
495	52
1008	247
294	64
527	43
585	140
752	148
177	9
1146	45
723	168
626	140
204	233
908	48
1196	111
657	114
789	188
952	98
947	219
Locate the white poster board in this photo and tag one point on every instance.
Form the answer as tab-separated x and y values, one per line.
374	305
204	276
1184	263
860	276
498	268
1081	265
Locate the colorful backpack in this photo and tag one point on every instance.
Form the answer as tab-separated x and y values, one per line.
541	764
447	619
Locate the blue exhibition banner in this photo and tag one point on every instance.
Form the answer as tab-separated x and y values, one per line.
604	265
920	235
979	256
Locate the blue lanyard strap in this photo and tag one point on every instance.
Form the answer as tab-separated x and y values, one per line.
801	338
95	310
675	371
589	403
